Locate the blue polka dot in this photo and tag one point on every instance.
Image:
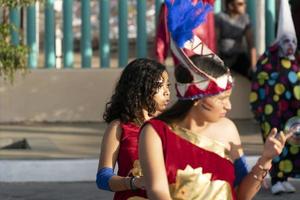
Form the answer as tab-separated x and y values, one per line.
276	159
274	75
261	94
292	77
288	95
284	152
271	82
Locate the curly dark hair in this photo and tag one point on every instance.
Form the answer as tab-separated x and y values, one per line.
139	82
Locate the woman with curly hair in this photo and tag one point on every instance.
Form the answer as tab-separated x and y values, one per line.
141	93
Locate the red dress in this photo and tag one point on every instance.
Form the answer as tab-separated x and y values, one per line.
128	156
197	167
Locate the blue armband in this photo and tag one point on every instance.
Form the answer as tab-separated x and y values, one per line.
103	176
241	169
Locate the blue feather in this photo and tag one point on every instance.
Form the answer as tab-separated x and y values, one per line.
184	17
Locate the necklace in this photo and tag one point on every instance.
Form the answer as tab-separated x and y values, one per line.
183	130
186	130
138	122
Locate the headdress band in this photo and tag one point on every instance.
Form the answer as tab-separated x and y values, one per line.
181	30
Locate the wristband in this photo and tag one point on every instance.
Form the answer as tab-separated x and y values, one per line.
132	185
241	169
103	177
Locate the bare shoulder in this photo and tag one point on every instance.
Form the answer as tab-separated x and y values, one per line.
228	124
149	138
149	132
230	130
114	128
114	124
232	139
147	129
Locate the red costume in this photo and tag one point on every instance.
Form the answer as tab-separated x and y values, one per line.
206	32
197	167
128	159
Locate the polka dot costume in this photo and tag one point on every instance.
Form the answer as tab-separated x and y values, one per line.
274	98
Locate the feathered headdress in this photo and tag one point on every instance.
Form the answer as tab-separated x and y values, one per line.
183	17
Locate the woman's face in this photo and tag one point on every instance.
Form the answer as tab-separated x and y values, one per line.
214	108
162	96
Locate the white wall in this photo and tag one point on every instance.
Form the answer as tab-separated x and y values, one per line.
77	95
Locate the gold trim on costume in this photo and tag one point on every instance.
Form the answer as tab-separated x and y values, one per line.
136	198
138	122
136	170
193	184
202	141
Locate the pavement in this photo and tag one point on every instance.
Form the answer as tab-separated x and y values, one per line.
88	191
58	161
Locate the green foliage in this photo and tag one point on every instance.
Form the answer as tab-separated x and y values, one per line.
12	57
15	3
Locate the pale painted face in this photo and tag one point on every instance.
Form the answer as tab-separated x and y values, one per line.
287	45
215	107
162	97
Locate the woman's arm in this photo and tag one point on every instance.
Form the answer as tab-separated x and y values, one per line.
251	49
152	163
252	182
109	154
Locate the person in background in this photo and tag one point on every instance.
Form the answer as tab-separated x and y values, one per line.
205	31
295	8
275	97
141	93
235	40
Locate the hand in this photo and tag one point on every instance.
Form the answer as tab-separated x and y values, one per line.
139	182
274	144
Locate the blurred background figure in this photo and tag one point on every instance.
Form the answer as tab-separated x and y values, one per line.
206	32
295	8
235	38
275	97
